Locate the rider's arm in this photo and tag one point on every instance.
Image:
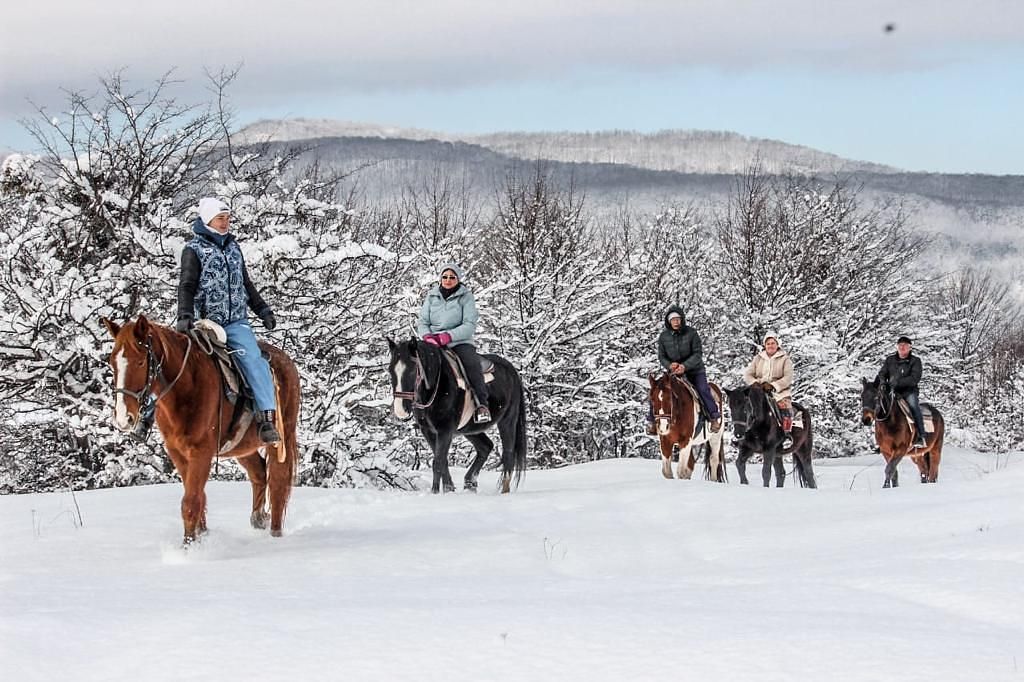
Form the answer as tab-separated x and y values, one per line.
696	351
423	325
748	373
786	380
188	283
663	358
256	302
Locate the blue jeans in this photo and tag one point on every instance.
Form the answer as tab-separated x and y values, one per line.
699	379
915	409
256	370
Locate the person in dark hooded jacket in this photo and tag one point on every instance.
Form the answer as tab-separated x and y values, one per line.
215	285
680	353
902	370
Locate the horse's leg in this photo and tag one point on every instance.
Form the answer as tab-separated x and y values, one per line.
934	457
715	461
256	467
767	459
193	503
922	466
780	471
507	428
666	456
741	463
483	446
685	467
892	472
442	443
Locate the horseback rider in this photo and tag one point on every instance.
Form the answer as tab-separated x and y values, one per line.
215	285
772	369
448	317
902	371
680	353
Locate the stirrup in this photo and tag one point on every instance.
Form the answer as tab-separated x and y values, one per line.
483	415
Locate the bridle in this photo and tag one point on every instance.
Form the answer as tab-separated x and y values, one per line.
421	379
154	370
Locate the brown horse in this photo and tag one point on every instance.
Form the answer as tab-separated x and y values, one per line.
894	433
155	365
676	417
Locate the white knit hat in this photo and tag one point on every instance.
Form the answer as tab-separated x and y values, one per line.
674	314
771	335
210	208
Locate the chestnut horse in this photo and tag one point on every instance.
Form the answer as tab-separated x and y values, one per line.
894	434
155	365
676	416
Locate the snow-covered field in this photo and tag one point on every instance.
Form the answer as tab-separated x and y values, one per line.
603	571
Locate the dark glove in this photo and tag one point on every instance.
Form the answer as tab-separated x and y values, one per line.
767	387
269	321
183	324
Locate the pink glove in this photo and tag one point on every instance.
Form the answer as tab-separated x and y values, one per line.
444	338
431	339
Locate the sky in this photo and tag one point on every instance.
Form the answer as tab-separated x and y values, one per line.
600	572
939	91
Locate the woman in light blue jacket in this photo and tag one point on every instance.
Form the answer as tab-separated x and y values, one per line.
448	318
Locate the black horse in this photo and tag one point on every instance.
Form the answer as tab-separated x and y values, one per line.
757	429
424	386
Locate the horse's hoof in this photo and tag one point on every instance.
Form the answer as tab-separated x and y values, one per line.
259	519
276	533
470	487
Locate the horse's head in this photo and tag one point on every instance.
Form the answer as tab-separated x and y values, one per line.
402	370
660	395
869	400
135	367
739	409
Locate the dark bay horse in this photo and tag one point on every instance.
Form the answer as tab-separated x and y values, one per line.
758	430
894	433
676	417
424	386
155	364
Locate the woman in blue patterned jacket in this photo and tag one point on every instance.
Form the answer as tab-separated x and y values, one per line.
215	285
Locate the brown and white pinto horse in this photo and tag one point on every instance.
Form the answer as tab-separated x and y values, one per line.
156	365
675	415
894	434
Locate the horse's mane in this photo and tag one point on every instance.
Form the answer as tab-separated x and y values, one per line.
430	361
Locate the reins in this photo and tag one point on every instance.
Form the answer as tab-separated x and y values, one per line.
155	369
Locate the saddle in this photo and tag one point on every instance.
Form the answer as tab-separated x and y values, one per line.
211	338
702	414
926	415
469	404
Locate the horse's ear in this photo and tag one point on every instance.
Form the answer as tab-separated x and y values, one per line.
391	344
112	327
141	328
650	378
413	346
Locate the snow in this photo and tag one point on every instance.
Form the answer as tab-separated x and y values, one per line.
602	571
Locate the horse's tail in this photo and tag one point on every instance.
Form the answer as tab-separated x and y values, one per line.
519	450
804	467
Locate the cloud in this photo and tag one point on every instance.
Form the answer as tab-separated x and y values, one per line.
310	46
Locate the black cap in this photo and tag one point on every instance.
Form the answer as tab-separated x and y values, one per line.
904	339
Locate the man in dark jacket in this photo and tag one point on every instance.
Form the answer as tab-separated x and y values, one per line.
902	371
215	285
680	353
